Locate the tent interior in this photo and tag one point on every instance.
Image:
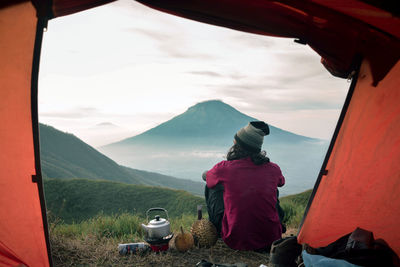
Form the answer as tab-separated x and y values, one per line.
359	180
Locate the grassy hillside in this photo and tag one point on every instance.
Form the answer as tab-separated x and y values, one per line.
64	155
156	179
74	200
94	241
294	206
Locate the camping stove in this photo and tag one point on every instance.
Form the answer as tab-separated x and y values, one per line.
159	244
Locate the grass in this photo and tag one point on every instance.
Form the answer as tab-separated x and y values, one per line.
89	251
120	227
127	225
76	200
94	242
294	207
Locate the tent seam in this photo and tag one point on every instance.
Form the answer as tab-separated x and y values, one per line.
41	24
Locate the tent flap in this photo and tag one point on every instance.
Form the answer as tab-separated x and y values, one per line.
362	185
22	232
57	8
66	7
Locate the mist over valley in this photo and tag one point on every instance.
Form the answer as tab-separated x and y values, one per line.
199	138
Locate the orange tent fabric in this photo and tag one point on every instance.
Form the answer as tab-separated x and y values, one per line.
22	238
58	8
362	186
23	225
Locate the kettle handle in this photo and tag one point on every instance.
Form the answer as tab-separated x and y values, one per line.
152	209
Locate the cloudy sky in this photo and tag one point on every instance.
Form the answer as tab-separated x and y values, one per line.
120	69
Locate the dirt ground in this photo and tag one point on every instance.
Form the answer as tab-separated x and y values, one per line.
103	255
90	251
220	253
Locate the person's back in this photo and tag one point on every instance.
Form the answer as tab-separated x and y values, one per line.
241	192
250	219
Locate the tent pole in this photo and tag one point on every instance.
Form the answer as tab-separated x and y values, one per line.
323	170
37	178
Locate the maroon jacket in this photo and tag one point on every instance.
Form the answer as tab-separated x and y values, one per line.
250	219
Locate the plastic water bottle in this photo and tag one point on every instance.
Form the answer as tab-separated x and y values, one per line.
133	248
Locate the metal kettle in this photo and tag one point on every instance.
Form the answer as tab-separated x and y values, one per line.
158	228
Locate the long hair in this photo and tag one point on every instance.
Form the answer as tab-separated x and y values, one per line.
238	152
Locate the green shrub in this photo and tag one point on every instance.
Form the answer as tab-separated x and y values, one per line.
294	207
124	226
127	226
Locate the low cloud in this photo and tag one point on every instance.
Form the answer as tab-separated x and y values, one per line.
251	40
72	113
280	95
170	44
149	33
205	73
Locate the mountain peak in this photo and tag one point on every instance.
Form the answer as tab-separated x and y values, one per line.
208	119
213	113
211	101
208	103
212	106
210	122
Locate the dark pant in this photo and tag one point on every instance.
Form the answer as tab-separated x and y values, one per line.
281	212
215	206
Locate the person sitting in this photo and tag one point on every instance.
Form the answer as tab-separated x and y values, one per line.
242	194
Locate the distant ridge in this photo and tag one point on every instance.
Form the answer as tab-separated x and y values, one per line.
64	155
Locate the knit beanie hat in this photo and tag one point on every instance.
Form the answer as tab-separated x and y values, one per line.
251	136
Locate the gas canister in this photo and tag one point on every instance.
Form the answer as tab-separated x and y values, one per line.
133	248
